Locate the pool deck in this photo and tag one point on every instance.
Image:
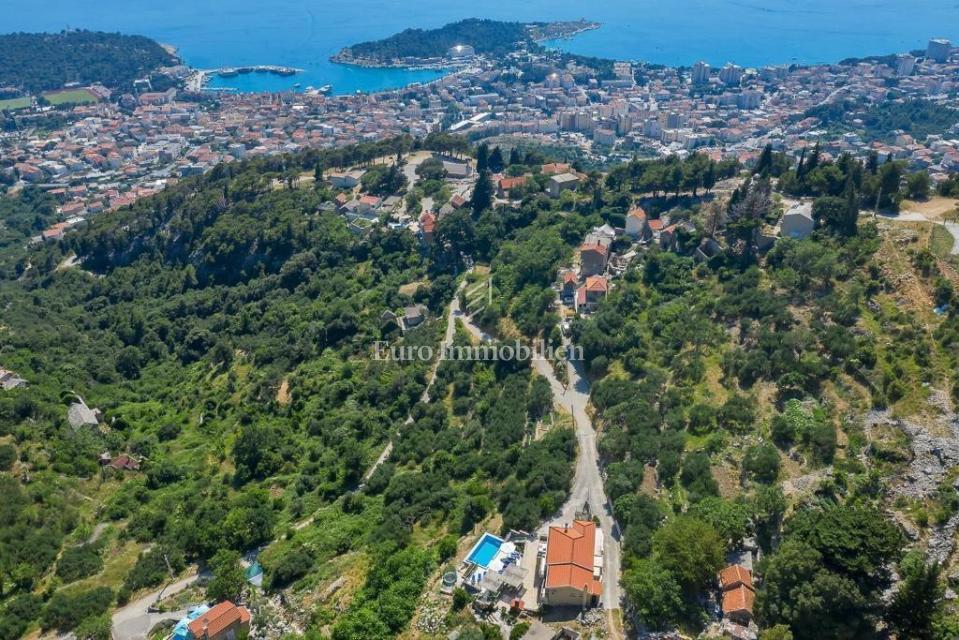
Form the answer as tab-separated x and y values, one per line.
532	581
470	559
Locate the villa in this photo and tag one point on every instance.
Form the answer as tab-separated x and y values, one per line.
225	621
738	594
574	561
591	294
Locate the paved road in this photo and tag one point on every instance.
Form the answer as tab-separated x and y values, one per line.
587	481
134	621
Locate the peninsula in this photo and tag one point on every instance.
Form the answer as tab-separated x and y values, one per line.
456	43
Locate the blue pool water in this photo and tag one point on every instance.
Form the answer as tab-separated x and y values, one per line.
485	550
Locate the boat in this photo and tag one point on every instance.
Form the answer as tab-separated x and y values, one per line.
325	88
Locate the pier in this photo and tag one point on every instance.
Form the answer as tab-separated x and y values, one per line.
199	79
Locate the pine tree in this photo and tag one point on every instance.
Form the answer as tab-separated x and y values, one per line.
765	163
849	226
496	162
917	605
482	194
482	158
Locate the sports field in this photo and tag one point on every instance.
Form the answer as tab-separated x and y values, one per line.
14	103
70	96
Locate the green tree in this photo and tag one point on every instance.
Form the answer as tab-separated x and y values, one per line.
8	455
691	550
779	632
762	463
918	604
482	194
655	594
228	576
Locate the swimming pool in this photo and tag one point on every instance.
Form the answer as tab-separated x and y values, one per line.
485	550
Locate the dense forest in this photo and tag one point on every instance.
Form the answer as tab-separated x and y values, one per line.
36	62
490	37
225	328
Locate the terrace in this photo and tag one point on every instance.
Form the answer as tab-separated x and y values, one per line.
493	567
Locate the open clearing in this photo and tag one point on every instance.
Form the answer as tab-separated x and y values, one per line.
70	96
15	103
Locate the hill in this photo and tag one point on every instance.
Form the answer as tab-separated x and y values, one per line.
225	329
487	37
36	62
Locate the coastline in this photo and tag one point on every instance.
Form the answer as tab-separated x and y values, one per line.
539	33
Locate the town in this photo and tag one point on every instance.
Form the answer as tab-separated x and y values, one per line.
110	154
274	448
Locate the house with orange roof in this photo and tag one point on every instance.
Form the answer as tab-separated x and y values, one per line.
738	594
225	621
427	227
593	257
567	285
555	168
573	566
508	184
592	293
636	226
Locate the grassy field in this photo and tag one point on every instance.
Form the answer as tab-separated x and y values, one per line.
14	103
70	96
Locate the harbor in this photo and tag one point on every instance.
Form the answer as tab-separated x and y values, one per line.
198	81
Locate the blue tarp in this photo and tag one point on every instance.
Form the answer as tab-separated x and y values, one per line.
180	631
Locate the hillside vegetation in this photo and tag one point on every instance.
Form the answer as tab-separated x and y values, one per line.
36	62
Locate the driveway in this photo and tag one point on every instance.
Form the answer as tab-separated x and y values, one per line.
134	621
587	481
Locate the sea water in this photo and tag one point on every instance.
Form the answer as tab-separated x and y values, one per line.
304	33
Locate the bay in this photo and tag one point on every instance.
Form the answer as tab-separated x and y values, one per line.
304	33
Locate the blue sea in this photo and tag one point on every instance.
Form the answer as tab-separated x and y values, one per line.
304	33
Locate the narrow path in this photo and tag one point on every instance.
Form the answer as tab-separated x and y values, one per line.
953	228
451	315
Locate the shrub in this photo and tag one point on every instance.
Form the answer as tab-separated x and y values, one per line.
461	598
519	631
289	567
65	611
79	562
762	463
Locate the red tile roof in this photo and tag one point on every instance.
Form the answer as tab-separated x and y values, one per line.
569	557
428	222
555	168
738	599
734	575
655	225
637	212
511	183
218	619
594	247
597	283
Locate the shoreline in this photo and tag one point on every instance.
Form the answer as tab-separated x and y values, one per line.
564	30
